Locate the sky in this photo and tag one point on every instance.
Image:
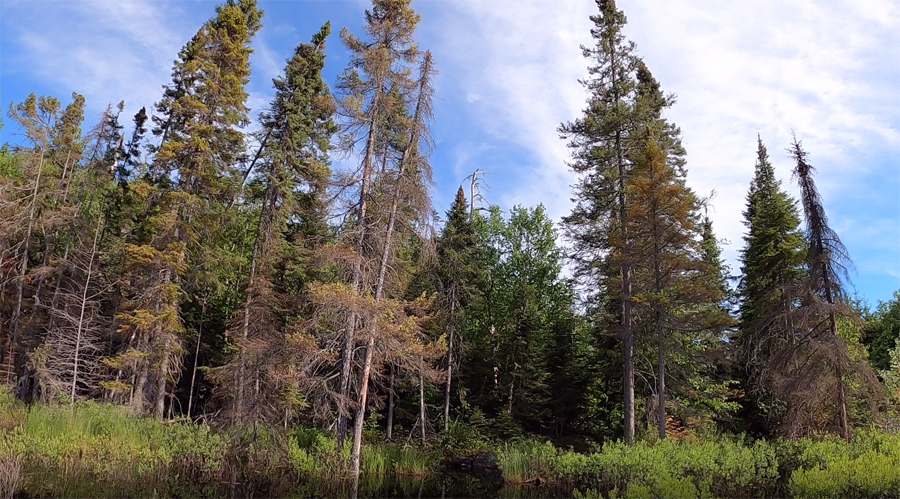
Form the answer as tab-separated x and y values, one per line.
828	71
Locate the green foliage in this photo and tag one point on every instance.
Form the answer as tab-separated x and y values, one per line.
868	467
522	334
772	266
311	453
720	469
891	377
881	332
107	444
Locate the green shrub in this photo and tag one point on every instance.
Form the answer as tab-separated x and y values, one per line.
869	466
670	468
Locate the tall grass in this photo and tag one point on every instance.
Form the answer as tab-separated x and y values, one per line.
61	447
525	461
103	450
10	476
312	454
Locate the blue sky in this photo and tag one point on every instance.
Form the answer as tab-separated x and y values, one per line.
828	70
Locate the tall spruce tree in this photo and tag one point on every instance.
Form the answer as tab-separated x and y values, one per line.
771	266
456	250
293	158
677	304
599	143
194	174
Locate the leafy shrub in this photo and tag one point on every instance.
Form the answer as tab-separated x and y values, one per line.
680	469
869	466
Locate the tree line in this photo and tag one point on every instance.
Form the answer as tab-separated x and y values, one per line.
195	268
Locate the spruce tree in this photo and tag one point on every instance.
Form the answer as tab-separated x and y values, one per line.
193	175
599	142
676	303
298	127
456	253
771	266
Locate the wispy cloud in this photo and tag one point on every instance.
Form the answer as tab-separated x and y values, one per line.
508	77
116	51
828	71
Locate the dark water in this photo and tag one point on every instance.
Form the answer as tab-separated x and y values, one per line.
445	486
451	485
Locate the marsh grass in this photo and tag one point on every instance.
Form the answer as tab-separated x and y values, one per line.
524	461
10	476
100	450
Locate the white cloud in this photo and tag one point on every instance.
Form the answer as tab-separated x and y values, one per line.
829	71
508	77
107	51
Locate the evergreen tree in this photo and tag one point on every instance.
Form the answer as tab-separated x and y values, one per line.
194	174
771	267
599	142
676	302
298	127
458	276
522	332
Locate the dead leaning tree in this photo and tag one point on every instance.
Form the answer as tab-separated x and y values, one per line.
813	369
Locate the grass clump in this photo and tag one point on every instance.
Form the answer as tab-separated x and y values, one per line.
524	461
62	448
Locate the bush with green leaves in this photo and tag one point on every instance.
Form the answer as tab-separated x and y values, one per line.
868	466
715	468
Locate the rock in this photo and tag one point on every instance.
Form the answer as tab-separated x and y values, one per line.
483	466
461	464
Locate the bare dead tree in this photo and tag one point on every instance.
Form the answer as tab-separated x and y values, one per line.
810	373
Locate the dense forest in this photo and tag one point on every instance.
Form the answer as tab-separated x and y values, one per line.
208	268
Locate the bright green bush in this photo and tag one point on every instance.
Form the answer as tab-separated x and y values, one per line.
670	468
869	466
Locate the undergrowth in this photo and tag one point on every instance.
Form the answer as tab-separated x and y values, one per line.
103	450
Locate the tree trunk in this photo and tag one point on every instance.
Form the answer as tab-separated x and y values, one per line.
162	377
422	398
839	372
382	272
196	358
161	381
84	295
390	414
356	450
23	269
627	330
660	326
661	417
347	350
449	374
137	392
261	236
